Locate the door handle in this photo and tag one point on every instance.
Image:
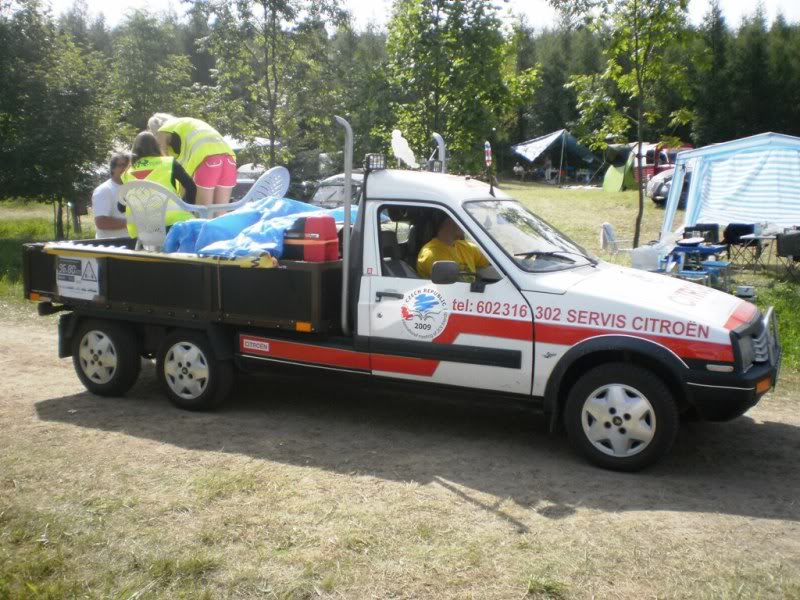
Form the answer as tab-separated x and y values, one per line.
382	294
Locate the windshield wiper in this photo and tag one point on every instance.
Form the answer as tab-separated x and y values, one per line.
557	254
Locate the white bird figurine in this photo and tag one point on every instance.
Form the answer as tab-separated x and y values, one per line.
402	151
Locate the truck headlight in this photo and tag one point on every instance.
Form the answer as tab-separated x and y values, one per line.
747	351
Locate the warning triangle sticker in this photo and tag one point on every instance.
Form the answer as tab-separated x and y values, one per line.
88	273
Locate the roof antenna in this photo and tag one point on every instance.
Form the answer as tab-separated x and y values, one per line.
487	156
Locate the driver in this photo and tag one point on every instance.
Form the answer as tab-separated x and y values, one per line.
449	244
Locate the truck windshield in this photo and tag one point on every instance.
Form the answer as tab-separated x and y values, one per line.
532	243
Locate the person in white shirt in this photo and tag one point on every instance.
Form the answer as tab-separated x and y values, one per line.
109	220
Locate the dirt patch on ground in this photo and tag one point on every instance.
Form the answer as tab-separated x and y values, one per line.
301	488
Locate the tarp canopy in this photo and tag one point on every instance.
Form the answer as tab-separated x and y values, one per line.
532	149
751	180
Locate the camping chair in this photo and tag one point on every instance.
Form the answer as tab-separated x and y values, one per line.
149	202
609	242
743	252
273	183
708	231
788	252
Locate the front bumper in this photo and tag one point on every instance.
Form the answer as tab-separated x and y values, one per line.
722	397
725	396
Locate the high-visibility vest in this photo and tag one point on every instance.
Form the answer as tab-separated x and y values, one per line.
157	169
198	141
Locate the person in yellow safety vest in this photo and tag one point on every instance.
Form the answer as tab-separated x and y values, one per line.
147	164
202	151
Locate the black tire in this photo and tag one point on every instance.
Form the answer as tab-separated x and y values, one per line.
106	358
190	374
641	425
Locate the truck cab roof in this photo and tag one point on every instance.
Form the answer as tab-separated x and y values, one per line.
394	184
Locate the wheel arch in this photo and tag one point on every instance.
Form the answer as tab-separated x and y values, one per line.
607	349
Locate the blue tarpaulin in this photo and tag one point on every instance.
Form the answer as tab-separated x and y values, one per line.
255	228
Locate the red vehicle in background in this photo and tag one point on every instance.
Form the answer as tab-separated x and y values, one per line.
657	158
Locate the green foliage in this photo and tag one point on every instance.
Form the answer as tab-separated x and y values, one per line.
55	113
150	74
449	67
639	33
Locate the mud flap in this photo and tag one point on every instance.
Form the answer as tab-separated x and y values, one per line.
66	329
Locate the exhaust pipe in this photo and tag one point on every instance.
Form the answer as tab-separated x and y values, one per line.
442	151
348	193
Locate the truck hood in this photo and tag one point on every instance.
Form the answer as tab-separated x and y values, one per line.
656	293
647	293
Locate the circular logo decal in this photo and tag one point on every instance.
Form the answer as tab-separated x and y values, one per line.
424	313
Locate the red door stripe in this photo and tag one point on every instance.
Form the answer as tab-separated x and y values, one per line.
459	323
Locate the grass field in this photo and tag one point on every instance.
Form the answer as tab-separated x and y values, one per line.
305	489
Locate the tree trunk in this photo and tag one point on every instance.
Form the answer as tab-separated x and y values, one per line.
59	224
638	229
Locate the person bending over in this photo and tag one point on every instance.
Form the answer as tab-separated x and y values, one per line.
202	152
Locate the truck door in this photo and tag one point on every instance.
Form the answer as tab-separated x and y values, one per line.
454	334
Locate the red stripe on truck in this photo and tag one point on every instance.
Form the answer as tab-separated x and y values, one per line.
307	353
565	335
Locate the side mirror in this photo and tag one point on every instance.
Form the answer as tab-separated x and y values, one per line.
445	271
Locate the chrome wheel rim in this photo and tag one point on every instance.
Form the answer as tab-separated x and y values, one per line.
618	420
98	357
186	370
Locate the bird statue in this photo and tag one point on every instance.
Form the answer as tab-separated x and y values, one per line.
402	151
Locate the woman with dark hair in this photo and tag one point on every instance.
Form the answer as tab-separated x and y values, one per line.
147	164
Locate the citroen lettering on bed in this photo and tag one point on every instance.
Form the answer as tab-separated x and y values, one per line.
254	344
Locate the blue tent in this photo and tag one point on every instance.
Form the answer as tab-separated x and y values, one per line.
751	180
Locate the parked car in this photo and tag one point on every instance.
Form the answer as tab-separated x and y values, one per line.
330	191
657	159
659	186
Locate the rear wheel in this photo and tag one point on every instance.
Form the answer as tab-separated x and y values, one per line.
105	355
621	417
190	374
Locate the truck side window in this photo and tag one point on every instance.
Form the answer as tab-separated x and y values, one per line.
415	237
393	230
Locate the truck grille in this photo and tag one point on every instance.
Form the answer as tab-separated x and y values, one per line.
761	346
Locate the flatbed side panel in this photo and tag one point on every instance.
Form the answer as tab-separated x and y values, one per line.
182	286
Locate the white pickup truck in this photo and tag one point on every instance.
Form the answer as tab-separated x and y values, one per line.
613	355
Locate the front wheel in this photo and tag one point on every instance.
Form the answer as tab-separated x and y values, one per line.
190	374
105	355
621	417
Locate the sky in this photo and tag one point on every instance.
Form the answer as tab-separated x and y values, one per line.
538	12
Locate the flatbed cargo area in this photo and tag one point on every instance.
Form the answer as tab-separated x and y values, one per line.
115	278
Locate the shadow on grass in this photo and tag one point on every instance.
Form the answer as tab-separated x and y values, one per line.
738	468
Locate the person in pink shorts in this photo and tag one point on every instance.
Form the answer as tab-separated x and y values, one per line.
202	152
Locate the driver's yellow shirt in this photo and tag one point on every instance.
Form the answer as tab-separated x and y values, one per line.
466	254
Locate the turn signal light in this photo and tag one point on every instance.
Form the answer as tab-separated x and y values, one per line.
763	385
35	297
303	326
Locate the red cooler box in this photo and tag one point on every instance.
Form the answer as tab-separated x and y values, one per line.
312	239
